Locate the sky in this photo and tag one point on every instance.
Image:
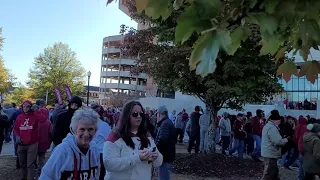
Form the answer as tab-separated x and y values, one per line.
30	26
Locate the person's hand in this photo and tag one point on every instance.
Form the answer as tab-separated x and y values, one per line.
286	140
18	140
154	156
144	155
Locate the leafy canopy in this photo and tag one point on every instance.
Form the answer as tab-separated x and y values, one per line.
239	79
20	94
6	78
222	25
55	67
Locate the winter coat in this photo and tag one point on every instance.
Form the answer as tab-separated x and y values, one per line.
45	131
166	139
311	157
271	141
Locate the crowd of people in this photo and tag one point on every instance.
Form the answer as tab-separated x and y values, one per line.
130	142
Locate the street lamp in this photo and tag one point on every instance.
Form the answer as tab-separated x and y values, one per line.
88	74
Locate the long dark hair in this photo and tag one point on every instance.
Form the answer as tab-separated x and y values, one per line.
124	130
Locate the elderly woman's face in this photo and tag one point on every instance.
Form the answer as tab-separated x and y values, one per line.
84	133
136	116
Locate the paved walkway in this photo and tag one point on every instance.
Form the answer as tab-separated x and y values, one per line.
7	149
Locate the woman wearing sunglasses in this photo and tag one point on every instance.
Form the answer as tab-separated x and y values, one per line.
130	152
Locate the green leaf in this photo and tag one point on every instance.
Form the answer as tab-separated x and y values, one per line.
157	9
198	49
287	69
223	38
268	23
185	26
141	5
309	32
206	51
271	6
270	45
237	37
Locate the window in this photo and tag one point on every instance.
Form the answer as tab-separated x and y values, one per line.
295	84
301	96
307	96
301	84
289	86
295	96
314	87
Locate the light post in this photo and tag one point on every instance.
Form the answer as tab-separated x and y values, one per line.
88	74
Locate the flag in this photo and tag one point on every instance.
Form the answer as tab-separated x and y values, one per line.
68	92
58	95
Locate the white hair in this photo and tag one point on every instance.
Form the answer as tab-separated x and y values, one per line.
87	116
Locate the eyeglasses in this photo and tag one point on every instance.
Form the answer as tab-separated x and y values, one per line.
135	114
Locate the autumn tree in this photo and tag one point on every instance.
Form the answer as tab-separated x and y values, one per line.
19	94
222	25
243	78
55	67
6	78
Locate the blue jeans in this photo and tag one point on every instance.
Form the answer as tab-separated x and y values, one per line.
238	145
7	134
301	172
164	171
257	149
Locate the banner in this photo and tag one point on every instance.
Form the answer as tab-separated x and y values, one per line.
68	92
58	95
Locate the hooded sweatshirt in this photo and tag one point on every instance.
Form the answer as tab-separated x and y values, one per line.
67	161
299	131
45	131
26	126
204	120
311	144
63	121
103	132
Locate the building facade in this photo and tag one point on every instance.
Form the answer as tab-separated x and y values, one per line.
115	76
300	91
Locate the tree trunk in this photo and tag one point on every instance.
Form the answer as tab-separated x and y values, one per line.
211	143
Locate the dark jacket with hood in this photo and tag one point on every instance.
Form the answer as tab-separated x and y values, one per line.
62	125
299	131
311	144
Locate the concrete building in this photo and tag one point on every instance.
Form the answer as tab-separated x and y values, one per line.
115	74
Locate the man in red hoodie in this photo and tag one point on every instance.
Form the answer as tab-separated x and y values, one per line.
26	132
299	131
45	137
257	125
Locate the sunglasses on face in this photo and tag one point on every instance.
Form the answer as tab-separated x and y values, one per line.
135	114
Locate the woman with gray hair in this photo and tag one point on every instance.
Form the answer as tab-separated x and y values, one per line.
76	157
